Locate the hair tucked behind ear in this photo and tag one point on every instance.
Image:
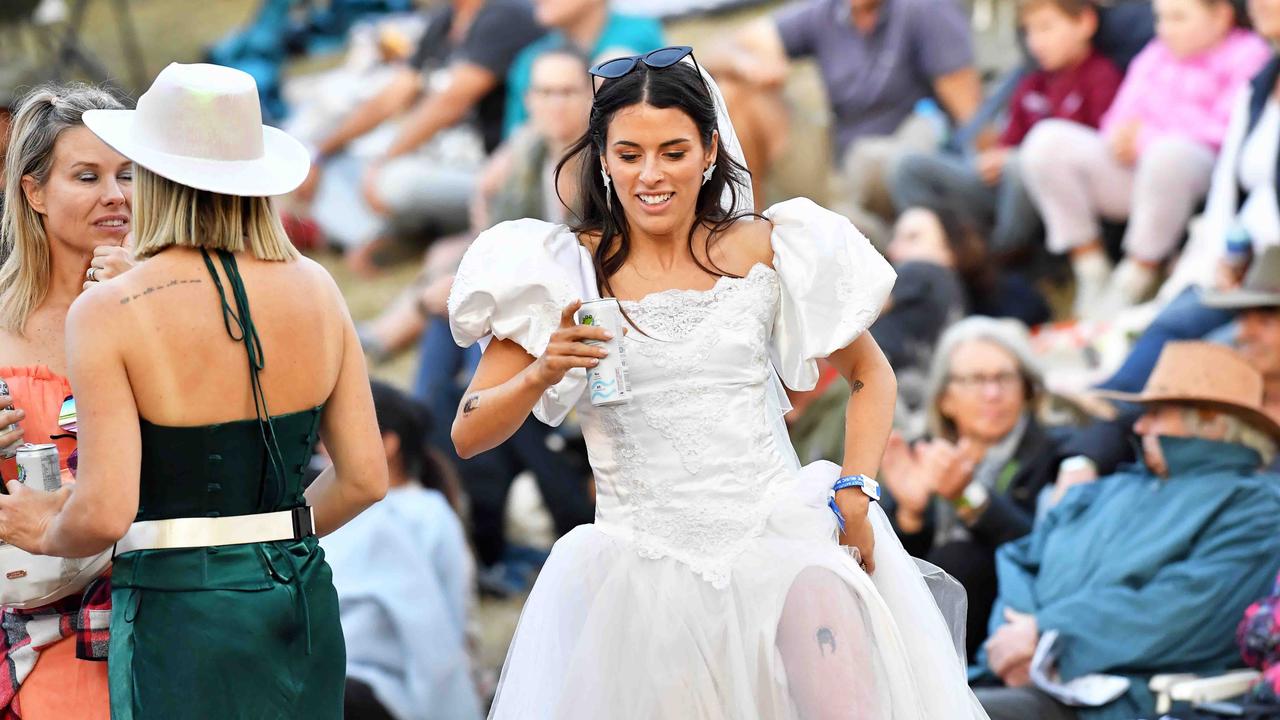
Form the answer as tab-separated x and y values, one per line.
680	86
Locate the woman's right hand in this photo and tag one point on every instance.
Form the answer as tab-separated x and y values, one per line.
567	350
7	418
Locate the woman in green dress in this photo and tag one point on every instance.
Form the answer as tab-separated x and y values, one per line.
203	379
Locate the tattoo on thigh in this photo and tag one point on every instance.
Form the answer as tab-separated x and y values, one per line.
825	638
472	403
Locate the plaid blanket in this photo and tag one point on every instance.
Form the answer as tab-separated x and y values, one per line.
24	633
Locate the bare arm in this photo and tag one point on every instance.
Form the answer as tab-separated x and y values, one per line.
395	98
468	84
349	429
509	381
868	421
960	93
754	55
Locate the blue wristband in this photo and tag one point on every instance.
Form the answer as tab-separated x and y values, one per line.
869	487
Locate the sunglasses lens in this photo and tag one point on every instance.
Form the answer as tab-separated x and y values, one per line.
613	69
67	416
666	57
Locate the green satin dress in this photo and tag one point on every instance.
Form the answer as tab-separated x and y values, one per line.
243	631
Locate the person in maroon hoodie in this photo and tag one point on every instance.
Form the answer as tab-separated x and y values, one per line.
1074	82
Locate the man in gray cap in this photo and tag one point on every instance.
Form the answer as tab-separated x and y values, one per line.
1257	302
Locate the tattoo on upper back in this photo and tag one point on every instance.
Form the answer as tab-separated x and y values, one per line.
172	283
471	403
825	638
857	385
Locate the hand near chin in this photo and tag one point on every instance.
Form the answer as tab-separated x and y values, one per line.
25	514
110	261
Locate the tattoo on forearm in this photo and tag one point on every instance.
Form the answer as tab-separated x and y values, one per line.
471	403
172	283
825	638
857	385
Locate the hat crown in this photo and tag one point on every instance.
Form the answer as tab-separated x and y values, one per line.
1205	372
1264	272
202	111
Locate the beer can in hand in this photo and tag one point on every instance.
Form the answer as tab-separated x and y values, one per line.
38	467
607	381
12	450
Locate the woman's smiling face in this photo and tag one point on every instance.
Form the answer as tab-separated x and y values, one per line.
655	159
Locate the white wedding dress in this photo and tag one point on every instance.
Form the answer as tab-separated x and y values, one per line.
706	584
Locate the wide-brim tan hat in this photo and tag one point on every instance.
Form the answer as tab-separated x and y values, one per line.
1203	373
201	126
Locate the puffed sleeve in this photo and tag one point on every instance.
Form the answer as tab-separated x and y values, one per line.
512	284
833	286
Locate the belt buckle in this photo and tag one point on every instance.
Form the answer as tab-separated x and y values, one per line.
303	524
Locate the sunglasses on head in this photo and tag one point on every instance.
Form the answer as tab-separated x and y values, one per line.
656	60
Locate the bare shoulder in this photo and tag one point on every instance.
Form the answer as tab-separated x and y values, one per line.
747	243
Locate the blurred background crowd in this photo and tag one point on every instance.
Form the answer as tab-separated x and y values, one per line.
1063	187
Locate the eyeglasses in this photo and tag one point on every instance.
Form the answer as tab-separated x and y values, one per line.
555	93
659	59
977	381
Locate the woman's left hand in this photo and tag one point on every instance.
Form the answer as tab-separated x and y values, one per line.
110	261
854	504
25	514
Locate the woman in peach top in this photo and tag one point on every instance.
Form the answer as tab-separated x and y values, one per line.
66	221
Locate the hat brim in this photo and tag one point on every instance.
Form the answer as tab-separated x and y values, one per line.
1251	415
283	166
1239	299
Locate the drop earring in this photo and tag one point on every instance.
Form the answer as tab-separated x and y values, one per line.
608	189
706	174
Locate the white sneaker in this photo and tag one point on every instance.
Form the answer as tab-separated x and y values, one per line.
1131	284
1093	274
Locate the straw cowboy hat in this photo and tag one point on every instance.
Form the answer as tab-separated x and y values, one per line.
201	126
1202	373
1261	286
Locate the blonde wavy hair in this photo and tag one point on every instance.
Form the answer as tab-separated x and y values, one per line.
42	116
168	214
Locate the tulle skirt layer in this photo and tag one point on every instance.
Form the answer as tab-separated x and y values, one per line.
800	631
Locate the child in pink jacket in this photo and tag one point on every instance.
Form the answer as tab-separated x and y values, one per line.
1151	159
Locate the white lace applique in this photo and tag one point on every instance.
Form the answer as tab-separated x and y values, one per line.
678	414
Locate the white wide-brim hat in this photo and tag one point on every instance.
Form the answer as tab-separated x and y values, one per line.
201	126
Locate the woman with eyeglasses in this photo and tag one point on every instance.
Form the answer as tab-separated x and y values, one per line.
974	484
713	582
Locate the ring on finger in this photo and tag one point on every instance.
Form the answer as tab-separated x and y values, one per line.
91	274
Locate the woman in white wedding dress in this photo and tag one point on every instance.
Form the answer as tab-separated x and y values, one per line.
713	583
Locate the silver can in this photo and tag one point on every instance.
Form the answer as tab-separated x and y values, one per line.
38	467
607	381
12	450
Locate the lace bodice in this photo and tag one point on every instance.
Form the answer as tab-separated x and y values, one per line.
690	467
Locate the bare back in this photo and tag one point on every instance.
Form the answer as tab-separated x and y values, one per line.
186	369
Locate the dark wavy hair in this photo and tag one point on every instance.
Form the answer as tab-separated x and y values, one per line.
680	86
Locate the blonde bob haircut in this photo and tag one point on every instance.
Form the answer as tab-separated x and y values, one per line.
26	262
168	214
